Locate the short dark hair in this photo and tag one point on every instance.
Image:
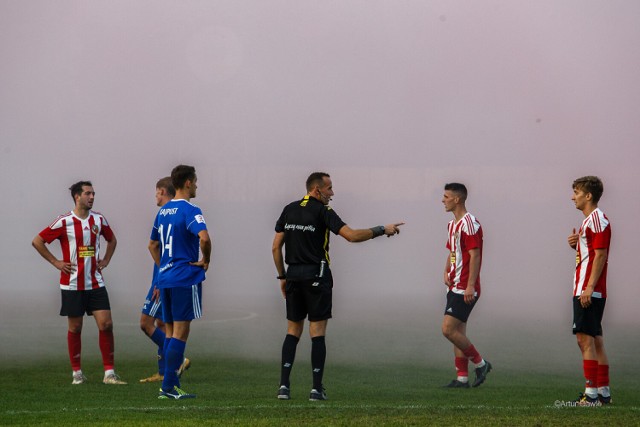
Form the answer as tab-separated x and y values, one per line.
181	174
167	185
76	189
590	184
457	188
316	178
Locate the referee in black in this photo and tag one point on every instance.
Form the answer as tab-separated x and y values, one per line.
303	229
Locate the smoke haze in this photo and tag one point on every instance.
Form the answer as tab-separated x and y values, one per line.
393	99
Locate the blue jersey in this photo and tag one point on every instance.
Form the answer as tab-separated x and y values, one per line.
176	228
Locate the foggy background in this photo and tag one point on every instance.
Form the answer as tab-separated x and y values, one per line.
515	99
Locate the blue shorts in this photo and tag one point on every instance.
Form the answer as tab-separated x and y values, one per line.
152	308
181	304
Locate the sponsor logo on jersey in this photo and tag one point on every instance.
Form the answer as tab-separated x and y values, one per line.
299	227
168	211
166	267
86	251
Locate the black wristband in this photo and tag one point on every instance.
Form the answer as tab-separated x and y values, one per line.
281	277
377	231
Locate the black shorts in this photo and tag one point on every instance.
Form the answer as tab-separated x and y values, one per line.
456	307
588	320
77	303
312	298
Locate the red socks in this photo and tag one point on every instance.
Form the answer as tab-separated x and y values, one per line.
105	339
590	368
462	366
75	348
603	375
472	354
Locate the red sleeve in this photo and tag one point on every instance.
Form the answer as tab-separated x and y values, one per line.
602	240
472	241
49	234
106	232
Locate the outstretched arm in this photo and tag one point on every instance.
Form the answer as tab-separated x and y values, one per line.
364	234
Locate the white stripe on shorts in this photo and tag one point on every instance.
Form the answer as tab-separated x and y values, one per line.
154	308
197	308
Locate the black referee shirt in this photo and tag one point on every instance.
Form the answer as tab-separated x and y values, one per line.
306	224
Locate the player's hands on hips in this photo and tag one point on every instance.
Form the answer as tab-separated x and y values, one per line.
392	229
102	264
65	267
573	239
201	263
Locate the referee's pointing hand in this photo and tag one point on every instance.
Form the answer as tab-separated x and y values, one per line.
392	229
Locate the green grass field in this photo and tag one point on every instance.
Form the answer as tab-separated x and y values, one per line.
242	392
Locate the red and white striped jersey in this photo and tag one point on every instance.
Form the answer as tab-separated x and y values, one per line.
464	235
80	244
595	233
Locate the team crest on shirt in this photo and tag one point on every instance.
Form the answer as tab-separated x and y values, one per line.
95	229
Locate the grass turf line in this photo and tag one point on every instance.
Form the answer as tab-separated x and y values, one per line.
242	392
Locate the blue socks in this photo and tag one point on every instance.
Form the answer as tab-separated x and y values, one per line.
159	338
174	356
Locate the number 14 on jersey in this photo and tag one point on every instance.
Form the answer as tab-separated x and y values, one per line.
166	242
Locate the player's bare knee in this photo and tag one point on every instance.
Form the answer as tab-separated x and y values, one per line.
106	326
75	329
449	327
448	331
146	326
585	342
